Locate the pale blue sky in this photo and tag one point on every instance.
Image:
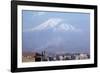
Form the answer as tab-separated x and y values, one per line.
56	31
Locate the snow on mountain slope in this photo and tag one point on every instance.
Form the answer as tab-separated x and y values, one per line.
56	24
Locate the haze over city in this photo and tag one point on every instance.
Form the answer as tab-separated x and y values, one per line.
56	31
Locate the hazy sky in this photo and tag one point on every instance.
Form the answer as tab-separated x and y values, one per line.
56	31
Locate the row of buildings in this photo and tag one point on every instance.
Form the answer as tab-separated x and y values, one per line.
44	56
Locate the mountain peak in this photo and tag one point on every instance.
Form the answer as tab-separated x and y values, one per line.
56	24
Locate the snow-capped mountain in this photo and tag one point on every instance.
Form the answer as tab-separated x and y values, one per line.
56	24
